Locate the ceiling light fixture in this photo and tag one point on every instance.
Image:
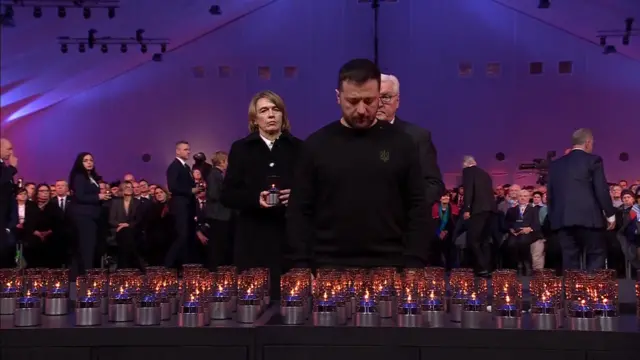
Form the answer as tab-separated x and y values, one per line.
123	42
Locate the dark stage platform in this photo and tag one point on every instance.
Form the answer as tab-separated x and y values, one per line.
57	338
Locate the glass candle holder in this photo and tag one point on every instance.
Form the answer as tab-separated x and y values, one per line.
606	297
10	289
27	310
89	301
56	300
409	302
462	286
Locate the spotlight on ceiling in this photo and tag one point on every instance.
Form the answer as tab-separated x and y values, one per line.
625	39
143	48
544	4
37	12
163	48
157	57
609	49
62	12
123	48
603	40
628	24
64	48
111	12
86	13
215	10
139	33
104	48
92	38
82	48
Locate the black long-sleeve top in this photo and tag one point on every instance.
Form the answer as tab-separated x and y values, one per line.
358	199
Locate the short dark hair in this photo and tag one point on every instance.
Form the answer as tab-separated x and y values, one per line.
181	142
359	71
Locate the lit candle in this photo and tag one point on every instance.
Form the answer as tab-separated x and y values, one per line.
605	308
366	302
9	288
249	295
57	289
432	300
27	299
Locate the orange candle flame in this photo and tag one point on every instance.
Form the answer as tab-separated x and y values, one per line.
28	293
508	299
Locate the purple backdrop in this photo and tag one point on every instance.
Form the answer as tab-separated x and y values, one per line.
422	42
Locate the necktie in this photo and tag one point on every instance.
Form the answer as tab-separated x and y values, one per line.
62	204
201	205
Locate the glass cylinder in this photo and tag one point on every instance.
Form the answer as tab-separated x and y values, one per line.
34	284
477	295
261	280
89	293
324	304
508	303
409	299
546	293
366	299
121	289
433	294
248	292
605	294
384	282
583	295
57	283
290	290
462	285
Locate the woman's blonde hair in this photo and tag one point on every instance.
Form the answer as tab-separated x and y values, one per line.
276	100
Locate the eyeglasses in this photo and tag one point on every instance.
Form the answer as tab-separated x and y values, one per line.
386	99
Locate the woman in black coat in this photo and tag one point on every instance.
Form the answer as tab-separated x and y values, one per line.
258	162
86	209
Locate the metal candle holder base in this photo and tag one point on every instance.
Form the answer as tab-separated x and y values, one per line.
147	316
348	308
165	311
104	305
508	322
409	320
120	312
342	313
473	319
219	310
234	303
90	316
174	303
26	317
367	319
385	308
583	324
456	312
56	306
292	315
434	319
248	314
325	318
191	319
609	323
545	321
7	305
354	305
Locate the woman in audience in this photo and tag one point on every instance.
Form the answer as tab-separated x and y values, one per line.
86	209
160	229
124	218
444	247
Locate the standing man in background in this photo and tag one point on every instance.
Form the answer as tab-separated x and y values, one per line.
182	205
479	206
578	196
8	205
220	246
428	156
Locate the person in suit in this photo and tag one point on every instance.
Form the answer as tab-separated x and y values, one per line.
8	205
523	222
62	235
124	219
86	209
264	158
182	205
389	104
578	196
478	209
220	245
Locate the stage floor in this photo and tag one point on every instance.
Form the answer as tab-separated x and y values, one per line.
267	339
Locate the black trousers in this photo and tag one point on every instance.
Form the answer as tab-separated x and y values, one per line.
86	242
518	251
7	250
478	231
219	250
573	239
183	215
128	256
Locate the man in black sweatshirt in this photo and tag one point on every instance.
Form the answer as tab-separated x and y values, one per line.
358	197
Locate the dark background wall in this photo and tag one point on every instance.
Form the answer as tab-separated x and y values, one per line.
464	68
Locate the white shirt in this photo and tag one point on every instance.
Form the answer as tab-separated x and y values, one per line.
182	161
268	142
62	200
21	208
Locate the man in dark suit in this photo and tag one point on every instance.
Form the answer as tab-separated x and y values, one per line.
62	225
8	205
182	204
523	222
428	156
220	245
578	202
479	205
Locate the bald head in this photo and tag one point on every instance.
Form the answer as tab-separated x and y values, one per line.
6	149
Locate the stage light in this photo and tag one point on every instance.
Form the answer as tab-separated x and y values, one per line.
82	48
625	39
123	48
92	38
603	40
609	49
215	10
62	12
64	48
104	48
163	48
157	57
628	24
500	156
139	33
86	13
111	12
544	4
143	48
37	12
